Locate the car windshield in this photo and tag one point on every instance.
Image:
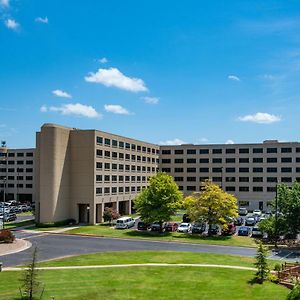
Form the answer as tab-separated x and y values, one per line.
184	225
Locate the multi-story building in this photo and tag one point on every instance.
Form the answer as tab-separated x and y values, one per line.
249	171
80	172
17	178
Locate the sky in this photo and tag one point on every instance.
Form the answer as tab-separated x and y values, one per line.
166	72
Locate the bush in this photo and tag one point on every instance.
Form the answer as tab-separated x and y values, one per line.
273	278
277	267
6	236
295	293
110	214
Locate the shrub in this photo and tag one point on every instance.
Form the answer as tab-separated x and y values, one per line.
110	214
295	293
6	236
273	278
277	267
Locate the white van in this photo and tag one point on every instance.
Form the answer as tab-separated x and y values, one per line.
125	222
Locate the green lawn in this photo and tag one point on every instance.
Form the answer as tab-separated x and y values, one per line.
146	283
18	224
107	231
137	257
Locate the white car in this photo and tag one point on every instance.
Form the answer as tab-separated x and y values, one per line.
184	227
257	212
256	232
125	223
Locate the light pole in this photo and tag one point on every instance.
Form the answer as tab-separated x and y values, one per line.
3	207
276	215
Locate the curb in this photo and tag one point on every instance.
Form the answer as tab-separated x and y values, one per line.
26	246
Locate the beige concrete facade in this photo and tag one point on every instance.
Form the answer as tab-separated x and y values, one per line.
17	174
249	171
80	172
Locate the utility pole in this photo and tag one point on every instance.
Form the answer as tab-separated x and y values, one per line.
276	215
4	156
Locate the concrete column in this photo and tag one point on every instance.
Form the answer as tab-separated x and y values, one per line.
92	220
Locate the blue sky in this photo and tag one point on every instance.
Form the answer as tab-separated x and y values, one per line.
162	71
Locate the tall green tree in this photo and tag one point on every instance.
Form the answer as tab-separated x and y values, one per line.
160	200
211	205
261	263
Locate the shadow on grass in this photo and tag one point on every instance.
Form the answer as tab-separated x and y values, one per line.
135	233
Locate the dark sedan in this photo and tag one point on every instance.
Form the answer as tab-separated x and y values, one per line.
198	228
142	226
244	231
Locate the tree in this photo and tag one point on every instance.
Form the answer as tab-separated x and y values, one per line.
110	214
261	264
211	205
295	293
30	281
160	200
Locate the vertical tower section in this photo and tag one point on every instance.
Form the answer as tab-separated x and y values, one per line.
53	168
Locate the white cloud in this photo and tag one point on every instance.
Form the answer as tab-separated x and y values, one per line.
44	108
103	60
42	20
60	93
229	142
11	24
233	77
116	109
175	141
113	77
4	3
151	100
76	109
261	118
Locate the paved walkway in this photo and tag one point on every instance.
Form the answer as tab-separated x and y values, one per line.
136	265
17	246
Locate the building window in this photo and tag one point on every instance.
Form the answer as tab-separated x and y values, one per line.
99	152
217	151
127	146
230	188
286	170
243	179
178	178
178	170
178	160
107	166
258	150
244	160
20	162
258	179
271	179
107	154
243	150
217	160
202	179
258	170
178	151
230	151
166	161
191	151
271	189
166	152
106	190
191	179
99	140
230	160
271	170
20	154
286	179
107	142
29	177
258	160
244	189
29	170
257	189
204	160
98	178
271	150
13	155
29	154
297	149
217	170
230	179
121	145
286	159
167	170
243	170
272	160
191	188
230	170
98	165
286	150
191	170
243	203
114	143
133	147
203	170
206	151
28	186
191	160
217	179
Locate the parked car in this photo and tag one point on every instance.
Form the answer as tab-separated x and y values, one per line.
10	217
125	223
171	226
184	227
198	228
142	226
250	221
230	230
239	221
214	229
257	212
243	211
244	231
256	232
156	226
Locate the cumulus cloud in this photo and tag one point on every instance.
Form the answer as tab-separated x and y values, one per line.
151	100
4	3
113	77
116	109
229	142
103	60
233	77
261	118
11	24
60	93
175	141
76	109
42	20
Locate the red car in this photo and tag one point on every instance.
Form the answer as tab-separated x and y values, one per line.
171	226
231	229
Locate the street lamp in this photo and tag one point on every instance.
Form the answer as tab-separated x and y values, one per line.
276	214
3	204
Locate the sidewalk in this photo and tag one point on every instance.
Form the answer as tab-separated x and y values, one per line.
17	246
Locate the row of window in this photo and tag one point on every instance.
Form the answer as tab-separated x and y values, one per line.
232	170
16	177
19	185
117	190
122	145
234	189
18	154
235	179
17	162
18	170
120	178
121	168
231	150
231	160
126	156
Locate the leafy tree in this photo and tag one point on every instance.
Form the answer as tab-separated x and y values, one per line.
268	226
261	264
211	205
110	214
30	283
295	293
160	200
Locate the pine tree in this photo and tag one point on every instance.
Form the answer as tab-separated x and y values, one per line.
261	264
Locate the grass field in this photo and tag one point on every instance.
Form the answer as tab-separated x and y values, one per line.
107	231
147	282
18	224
